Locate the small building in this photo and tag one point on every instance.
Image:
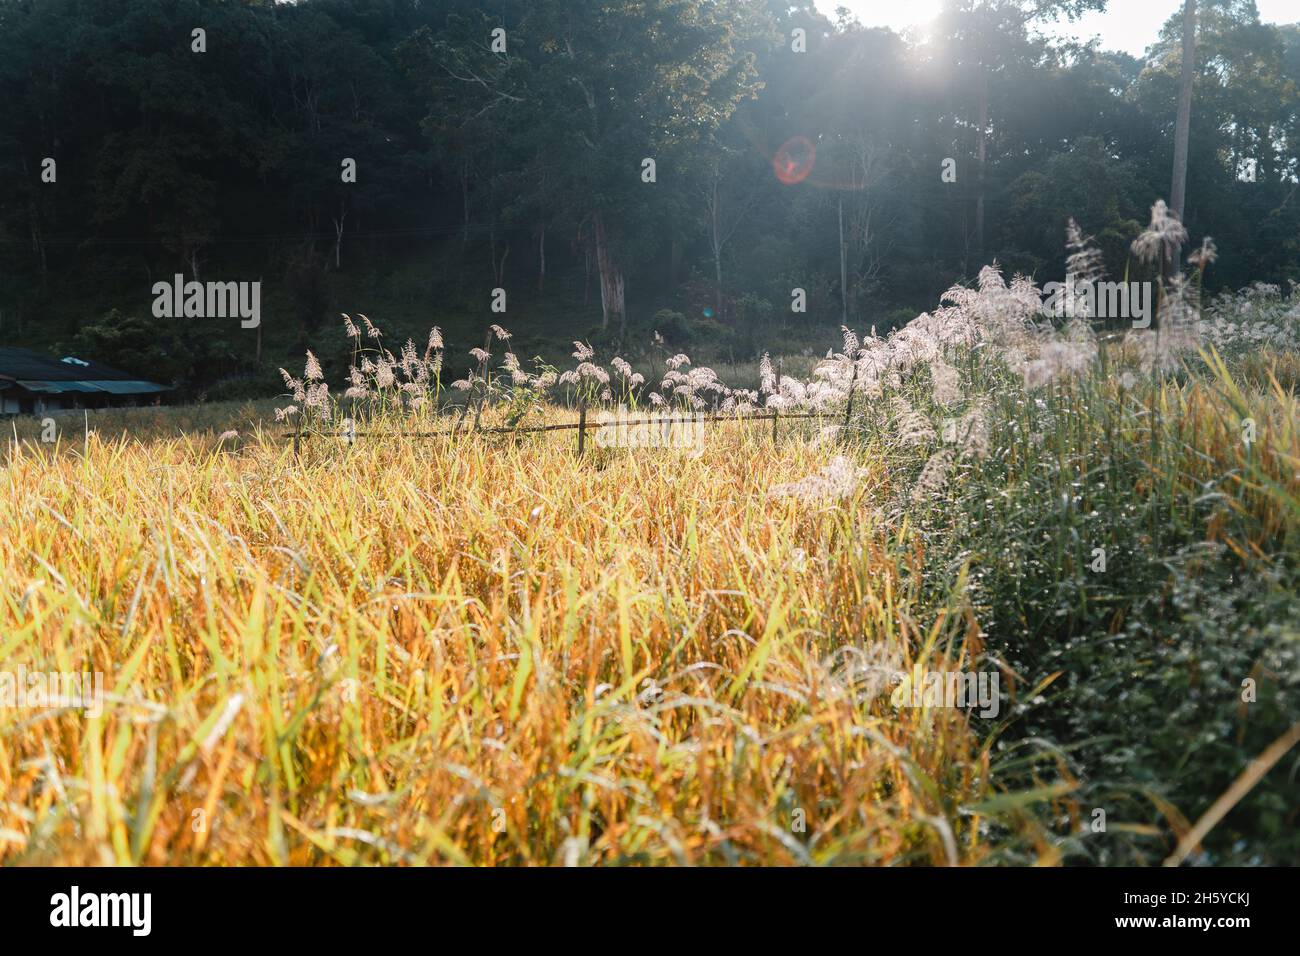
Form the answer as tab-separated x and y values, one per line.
32	384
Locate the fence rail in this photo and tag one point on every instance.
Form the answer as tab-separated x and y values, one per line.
581	426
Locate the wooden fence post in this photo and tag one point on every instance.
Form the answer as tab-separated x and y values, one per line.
582	425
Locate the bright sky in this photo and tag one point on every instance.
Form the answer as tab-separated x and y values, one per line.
1129	25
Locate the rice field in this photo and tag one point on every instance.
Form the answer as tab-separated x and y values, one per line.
481	652
481	649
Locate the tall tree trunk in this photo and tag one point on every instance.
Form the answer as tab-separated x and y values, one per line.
716	241
338	241
541	253
586	275
464	201
498	266
1182	135
717	284
983	157
611	276
34	220
844	272
38	246
492	248
464	226
1182	131
674	263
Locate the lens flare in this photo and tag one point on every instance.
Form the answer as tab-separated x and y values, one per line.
794	161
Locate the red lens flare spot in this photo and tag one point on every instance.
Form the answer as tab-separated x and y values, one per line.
794	160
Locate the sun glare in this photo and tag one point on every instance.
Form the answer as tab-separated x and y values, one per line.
885	13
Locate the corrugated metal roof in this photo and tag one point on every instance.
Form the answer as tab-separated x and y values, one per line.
41	373
57	388
112	388
136	387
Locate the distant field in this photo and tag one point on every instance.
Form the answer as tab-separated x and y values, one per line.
484	649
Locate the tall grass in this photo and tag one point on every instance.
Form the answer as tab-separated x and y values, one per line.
482	652
479	648
1130	545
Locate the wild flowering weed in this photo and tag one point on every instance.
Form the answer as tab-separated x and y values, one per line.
1259	316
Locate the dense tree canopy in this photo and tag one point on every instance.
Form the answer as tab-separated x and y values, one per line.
788	151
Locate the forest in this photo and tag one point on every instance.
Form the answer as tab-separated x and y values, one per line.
618	169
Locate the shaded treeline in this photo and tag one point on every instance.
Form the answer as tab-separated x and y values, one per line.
781	161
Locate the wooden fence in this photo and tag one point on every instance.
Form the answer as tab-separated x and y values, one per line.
582	425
